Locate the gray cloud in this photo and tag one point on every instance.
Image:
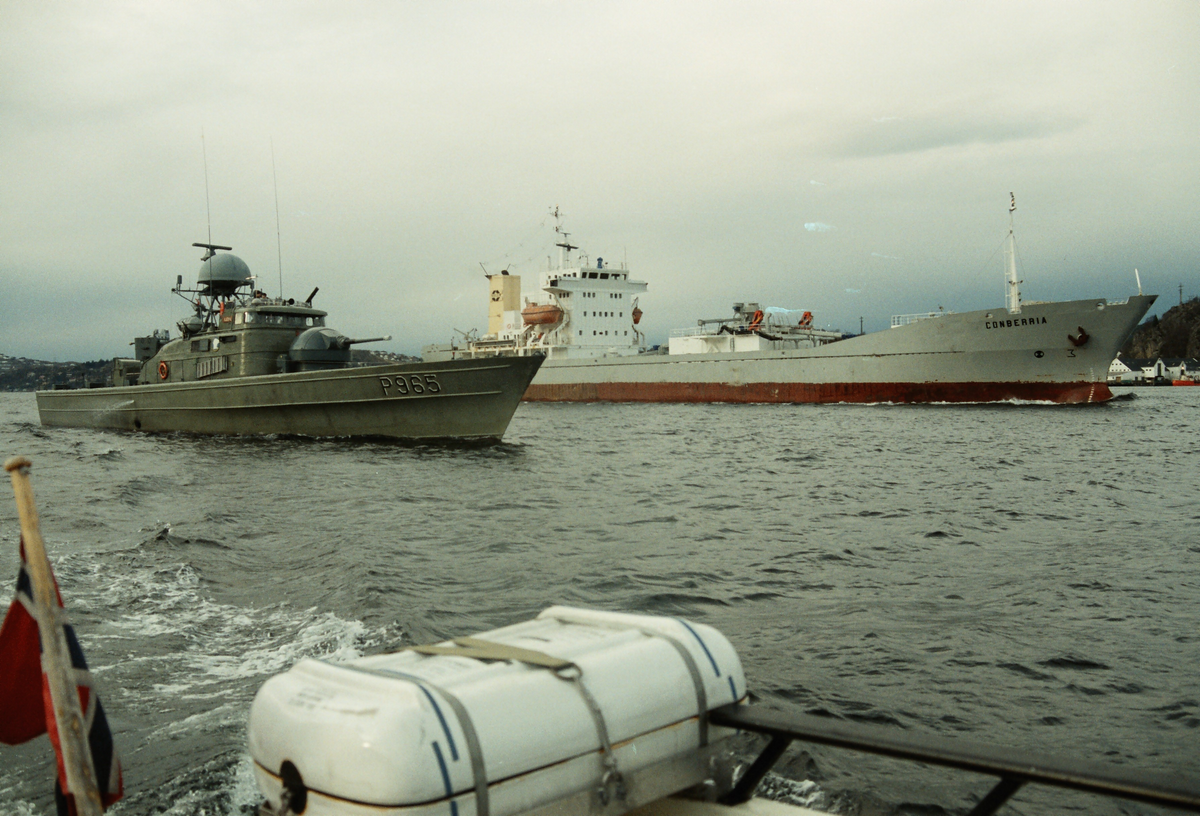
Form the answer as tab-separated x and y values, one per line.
414	140
918	135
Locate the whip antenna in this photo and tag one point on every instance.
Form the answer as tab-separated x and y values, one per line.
207	207
278	240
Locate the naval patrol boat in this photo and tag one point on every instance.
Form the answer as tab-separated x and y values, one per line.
245	363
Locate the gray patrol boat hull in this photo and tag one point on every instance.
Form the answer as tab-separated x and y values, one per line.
470	400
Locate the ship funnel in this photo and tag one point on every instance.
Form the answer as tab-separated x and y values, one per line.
505	296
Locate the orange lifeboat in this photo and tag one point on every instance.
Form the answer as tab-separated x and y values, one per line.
806	320
541	315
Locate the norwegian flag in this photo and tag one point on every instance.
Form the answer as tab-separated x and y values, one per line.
25	707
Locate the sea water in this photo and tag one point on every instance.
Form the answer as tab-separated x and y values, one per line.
1016	575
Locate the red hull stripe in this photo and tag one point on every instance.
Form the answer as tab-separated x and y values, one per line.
1063	393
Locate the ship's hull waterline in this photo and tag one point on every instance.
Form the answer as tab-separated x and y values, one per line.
460	400
1049	352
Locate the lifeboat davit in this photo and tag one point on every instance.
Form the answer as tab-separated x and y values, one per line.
541	315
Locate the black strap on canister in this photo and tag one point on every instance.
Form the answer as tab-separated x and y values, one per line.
612	784
474	749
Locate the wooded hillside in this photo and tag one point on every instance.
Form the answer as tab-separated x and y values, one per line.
1175	334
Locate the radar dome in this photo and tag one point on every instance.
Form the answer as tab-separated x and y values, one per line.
223	274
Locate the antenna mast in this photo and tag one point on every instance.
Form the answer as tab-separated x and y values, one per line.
564	246
1013	289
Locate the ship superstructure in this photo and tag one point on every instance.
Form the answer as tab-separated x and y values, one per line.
580	309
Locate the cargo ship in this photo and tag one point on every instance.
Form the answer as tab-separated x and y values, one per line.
585	319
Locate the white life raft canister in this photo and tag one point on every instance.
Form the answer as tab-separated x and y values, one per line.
577	712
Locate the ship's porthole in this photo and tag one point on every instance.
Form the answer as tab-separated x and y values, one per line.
1039	354
137	423
1100	306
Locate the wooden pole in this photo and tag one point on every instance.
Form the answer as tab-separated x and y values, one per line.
56	657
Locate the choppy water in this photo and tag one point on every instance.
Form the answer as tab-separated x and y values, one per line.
1019	575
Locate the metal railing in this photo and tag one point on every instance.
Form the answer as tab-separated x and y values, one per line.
1015	768
904	320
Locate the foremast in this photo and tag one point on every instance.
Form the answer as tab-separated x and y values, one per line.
1012	291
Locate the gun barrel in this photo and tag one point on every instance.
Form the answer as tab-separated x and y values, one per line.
350	341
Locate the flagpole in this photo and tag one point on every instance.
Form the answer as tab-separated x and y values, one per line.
56	657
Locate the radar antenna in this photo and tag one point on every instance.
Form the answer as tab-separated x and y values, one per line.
212	249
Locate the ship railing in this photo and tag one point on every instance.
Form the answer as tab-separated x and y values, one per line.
1014	768
904	320
692	331
705	329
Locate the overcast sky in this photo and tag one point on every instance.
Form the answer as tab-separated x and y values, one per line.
853	159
